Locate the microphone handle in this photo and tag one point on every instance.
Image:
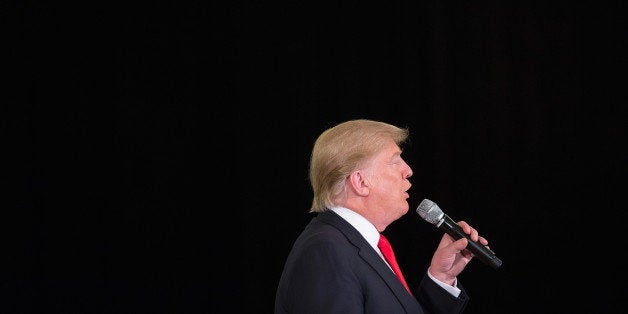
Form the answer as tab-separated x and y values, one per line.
480	251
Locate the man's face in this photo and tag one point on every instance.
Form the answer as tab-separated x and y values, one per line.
389	184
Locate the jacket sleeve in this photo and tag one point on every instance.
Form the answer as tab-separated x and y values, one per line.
437	300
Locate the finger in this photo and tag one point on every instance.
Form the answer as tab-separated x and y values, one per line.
459	245
445	240
473	234
464	225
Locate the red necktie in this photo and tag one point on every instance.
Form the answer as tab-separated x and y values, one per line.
386	249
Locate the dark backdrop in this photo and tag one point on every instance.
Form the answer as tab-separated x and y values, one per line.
157	149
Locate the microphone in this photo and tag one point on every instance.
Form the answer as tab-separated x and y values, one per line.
431	213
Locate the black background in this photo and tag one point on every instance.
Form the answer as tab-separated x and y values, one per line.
157	149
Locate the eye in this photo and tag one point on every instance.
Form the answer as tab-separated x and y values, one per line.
397	160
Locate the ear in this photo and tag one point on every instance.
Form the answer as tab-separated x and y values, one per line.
359	183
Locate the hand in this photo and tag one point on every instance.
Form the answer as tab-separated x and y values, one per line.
451	257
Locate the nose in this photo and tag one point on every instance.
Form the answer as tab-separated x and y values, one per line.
408	172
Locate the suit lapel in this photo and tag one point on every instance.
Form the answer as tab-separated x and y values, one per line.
371	257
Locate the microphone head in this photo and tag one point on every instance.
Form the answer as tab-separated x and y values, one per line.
429	211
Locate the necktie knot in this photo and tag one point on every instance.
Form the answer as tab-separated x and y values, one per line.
389	255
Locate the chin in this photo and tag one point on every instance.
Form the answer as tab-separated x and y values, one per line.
405	210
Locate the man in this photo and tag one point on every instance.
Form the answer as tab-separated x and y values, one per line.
360	183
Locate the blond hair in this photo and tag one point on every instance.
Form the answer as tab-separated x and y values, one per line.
340	150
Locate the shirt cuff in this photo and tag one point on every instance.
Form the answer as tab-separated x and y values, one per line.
453	290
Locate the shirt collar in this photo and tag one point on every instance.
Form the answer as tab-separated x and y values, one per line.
364	227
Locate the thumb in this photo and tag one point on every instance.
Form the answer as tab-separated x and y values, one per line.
459	245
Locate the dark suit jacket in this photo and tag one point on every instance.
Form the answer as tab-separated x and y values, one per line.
332	269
